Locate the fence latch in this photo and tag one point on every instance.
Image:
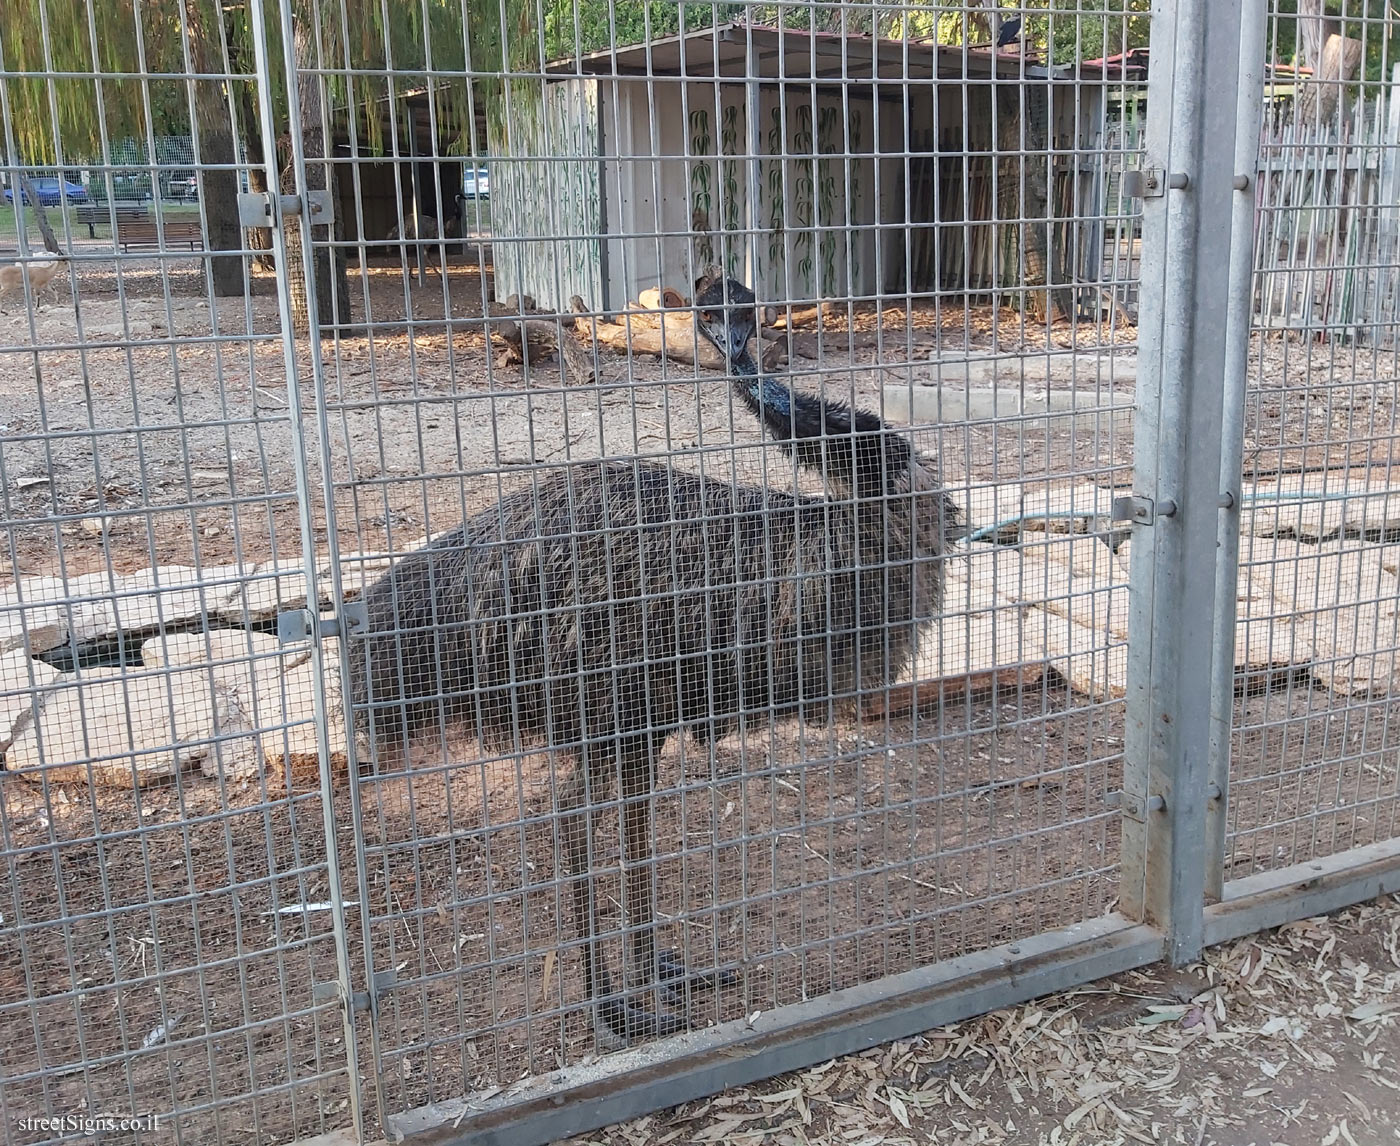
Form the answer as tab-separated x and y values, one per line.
326	990
1141	510
1146	184
1133	807
296	624
256	208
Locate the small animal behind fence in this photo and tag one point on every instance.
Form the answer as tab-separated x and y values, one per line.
615	604
41	276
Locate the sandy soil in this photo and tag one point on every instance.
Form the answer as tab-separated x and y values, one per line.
163	931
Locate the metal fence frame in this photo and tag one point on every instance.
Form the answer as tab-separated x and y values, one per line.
1195	322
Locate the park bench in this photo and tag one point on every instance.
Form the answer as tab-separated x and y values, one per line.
94	213
147	234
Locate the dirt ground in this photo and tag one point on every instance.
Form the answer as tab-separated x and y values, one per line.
1287	1038
168	416
167	931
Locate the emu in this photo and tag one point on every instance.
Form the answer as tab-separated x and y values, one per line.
615	604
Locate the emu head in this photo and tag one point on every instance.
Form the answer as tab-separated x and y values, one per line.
726	316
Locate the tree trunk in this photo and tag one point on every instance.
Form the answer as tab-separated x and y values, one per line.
1313	28
219	182
1024	194
256	238
985	16
332	283
219	192
1336	66
1028	200
30	197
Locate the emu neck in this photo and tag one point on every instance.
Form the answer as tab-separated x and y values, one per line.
850	448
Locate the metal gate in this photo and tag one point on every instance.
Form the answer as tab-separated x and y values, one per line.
329	818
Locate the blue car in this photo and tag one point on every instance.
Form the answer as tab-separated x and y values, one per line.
48	192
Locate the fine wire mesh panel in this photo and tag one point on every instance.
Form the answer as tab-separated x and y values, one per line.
1313	768
683	693
165	905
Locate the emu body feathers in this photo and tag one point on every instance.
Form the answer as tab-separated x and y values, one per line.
606	607
626	597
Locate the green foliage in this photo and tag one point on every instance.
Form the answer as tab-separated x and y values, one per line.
777	207
75	36
577	27
204	36
701	182
1070	30
1090	29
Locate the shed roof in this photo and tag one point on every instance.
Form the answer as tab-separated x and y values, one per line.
796	55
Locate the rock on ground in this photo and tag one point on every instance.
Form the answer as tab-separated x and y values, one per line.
228	701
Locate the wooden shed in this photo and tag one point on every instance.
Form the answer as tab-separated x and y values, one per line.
815	165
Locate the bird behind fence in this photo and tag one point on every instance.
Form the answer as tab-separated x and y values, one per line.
614	604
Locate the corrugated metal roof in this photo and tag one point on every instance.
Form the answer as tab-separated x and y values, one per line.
788	54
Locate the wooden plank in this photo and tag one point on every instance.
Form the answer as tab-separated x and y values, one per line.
1093	660
1344	602
1321	507
977	644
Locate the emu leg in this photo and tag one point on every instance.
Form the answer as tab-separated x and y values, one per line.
638	849
577	829
589	782
637	768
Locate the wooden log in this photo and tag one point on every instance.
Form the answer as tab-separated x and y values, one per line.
805	316
774	354
578	362
674	340
657	298
520	339
678	343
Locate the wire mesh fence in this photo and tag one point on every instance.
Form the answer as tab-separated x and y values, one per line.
541	531
775	860
1310	776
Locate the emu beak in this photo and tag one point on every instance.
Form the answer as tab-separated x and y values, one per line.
738	341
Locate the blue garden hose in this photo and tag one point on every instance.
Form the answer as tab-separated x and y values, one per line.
987	531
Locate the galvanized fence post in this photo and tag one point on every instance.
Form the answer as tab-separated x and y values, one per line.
265	63
1238	322
1187	187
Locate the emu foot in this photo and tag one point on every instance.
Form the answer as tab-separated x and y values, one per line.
676	980
618	1022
